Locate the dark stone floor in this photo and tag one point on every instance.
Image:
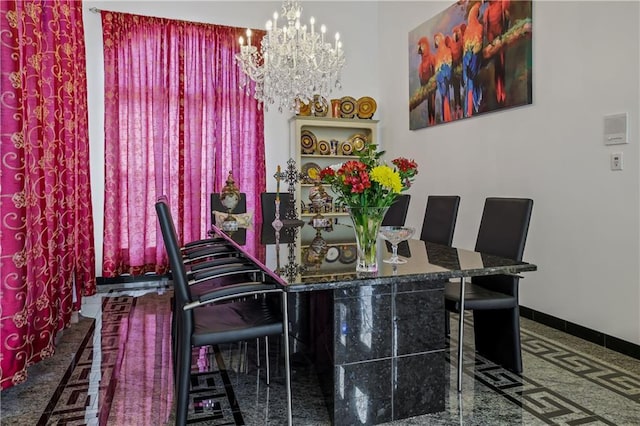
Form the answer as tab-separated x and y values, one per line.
113	367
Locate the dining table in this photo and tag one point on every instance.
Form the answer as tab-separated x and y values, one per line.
376	340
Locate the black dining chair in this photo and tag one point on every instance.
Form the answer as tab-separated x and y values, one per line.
440	219
397	213
494	298
216	205
268	209
438	226
207	252
268	206
211	263
232	313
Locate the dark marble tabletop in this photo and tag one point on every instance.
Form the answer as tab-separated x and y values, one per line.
306	259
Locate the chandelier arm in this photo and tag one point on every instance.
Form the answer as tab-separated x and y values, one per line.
293	64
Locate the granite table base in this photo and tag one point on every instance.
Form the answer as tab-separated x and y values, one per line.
380	350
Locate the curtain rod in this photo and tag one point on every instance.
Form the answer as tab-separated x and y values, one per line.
95	10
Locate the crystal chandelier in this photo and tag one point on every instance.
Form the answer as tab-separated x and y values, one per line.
294	62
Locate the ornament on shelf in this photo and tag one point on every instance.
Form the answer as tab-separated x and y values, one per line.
229	197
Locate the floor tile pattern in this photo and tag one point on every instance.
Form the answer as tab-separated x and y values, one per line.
118	373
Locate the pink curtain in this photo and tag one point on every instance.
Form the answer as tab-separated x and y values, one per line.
47	254
175	123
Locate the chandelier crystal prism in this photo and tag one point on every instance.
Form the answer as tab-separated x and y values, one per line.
294	63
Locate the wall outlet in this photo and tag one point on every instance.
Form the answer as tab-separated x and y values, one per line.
616	161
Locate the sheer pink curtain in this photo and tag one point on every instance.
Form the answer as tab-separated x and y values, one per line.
175	124
47	251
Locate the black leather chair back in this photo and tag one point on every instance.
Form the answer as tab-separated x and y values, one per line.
268	205
440	219
503	232
172	246
397	213
216	205
504	227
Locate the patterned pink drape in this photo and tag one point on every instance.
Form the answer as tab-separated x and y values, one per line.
175	123
47	251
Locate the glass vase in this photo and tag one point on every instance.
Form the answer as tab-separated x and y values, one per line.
366	224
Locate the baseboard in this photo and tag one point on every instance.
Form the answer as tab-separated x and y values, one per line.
125	279
610	342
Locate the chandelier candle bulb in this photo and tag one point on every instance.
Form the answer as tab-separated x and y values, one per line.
296	55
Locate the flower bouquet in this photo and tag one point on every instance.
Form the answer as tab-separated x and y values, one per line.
367	187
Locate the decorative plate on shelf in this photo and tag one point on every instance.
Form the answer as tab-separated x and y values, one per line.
358	141
324	148
308	142
346	147
366	107
304	109
311	171
347	107
333	253
320	106
348	254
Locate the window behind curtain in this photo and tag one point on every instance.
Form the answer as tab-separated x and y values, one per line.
176	122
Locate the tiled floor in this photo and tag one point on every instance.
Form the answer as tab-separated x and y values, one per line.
113	367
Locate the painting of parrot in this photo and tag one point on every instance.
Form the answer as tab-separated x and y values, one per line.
455	44
473	57
496	21
443	74
472	61
426	71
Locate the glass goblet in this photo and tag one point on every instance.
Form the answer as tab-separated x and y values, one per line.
395	235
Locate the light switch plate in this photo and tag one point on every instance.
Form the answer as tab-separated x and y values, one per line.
616	161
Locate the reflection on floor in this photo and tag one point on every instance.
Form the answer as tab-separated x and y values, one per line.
114	367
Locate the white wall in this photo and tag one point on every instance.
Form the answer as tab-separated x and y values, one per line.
356	22
584	234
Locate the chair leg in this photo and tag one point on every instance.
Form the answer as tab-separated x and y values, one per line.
184	376
460	333
447	325
497	337
266	352
258	352
287	371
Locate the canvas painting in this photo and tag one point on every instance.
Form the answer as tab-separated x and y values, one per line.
474	57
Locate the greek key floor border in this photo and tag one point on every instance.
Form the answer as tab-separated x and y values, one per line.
534	397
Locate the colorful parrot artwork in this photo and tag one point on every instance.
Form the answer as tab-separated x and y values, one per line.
472	61
472	58
426	71
496	21
443	73
455	44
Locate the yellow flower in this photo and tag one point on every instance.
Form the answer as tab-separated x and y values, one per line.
386	177
313	173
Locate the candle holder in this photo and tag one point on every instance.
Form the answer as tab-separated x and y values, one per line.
277	223
229	198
